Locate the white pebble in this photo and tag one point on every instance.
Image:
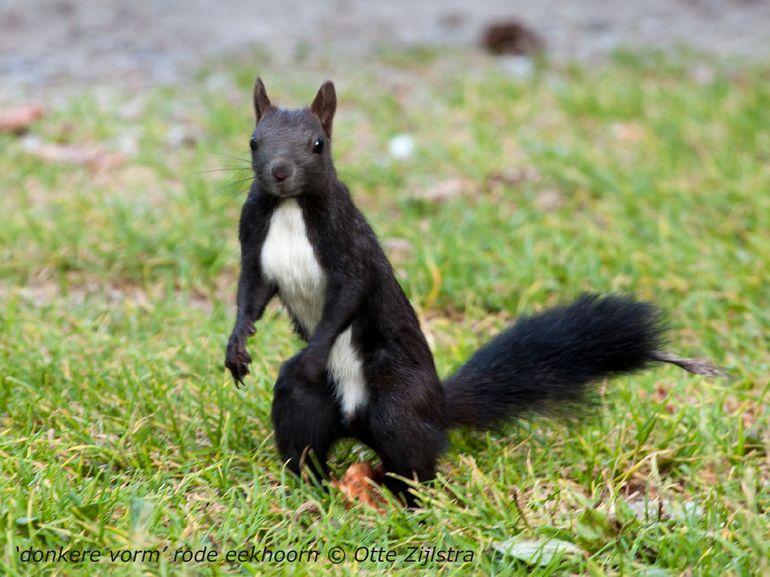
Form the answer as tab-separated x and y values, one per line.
401	146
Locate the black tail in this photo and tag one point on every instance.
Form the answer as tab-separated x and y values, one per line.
548	361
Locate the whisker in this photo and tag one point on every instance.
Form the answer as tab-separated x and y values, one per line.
231	184
232	156
225	169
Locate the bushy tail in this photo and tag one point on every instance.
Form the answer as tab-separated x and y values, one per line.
548	361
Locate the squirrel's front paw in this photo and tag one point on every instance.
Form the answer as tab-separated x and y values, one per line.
237	359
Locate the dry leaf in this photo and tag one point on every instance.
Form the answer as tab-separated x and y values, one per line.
537	551
628	133
656	509
307	508
358	484
513	176
90	156
549	200
18	119
443	190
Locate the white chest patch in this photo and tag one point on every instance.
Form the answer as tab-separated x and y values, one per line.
288	259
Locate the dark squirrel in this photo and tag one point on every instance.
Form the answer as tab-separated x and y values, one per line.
367	371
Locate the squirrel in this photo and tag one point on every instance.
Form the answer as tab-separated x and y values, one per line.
367	371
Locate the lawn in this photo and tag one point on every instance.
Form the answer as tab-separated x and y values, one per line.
121	433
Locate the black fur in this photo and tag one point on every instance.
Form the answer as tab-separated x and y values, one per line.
541	361
545	362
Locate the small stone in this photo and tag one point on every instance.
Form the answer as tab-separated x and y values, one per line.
401	146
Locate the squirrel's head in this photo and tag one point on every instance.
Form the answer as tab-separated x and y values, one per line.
291	149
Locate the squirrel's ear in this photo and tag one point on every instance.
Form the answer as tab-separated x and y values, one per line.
261	101
324	105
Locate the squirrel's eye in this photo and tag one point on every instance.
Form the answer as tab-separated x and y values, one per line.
318	145
253	143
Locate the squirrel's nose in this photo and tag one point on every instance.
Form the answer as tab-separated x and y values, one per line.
281	171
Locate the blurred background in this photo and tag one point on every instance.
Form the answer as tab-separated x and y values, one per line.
59	41
510	155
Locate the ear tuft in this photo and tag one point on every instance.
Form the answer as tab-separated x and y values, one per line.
261	102
324	105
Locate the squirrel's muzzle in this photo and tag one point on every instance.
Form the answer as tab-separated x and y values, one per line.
281	170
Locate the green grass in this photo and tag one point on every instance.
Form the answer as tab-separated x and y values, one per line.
120	430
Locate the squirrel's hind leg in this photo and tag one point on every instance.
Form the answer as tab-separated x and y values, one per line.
409	442
307	422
